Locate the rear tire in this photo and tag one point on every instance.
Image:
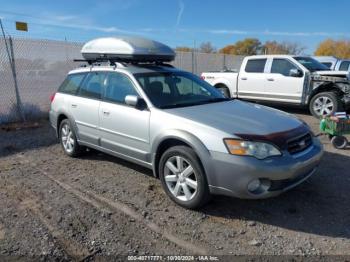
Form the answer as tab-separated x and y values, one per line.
183	178
325	103
68	139
339	142
224	90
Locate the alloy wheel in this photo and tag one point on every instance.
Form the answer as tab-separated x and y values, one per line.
323	105
67	138
180	178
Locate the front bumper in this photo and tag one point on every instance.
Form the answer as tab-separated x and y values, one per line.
230	175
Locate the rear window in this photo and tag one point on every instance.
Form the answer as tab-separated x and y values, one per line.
255	65
344	66
71	84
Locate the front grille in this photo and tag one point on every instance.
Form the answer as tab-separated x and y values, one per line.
299	144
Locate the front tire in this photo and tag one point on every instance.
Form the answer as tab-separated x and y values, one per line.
325	104
68	139
183	178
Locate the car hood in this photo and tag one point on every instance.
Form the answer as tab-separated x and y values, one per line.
237	117
333	73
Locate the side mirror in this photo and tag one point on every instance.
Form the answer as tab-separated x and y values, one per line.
295	72
135	101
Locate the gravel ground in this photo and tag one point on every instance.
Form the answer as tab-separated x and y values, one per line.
97	206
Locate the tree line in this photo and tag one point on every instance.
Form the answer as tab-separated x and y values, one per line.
252	46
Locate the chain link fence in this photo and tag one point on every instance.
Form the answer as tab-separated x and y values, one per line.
39	67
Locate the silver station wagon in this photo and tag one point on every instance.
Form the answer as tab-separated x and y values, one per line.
128	102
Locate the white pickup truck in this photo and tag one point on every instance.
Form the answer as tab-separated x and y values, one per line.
298	80
334	63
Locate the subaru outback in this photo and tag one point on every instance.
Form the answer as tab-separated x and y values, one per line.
197	141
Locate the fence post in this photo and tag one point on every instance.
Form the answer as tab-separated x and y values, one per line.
192	62
14	75
224	62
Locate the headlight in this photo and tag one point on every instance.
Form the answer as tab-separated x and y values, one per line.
259	150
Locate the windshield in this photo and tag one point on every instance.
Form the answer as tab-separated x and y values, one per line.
311	64
177	89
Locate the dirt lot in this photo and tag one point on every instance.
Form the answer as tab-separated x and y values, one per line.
97	206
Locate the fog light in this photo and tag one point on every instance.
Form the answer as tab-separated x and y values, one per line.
254	185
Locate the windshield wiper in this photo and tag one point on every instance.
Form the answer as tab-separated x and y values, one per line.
218	99
213	100
178	105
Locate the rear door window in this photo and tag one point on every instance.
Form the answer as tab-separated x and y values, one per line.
92	86
344	66
255	66
282	66
71	84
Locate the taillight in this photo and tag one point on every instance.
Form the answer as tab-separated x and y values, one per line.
203	77
52	97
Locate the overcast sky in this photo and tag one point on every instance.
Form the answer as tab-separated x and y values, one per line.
182	22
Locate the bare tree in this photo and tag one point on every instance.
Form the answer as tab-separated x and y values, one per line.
207	47
183	49
274	47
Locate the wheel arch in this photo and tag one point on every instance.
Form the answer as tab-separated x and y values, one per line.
326	87
60	117
221	82
220	85
179	137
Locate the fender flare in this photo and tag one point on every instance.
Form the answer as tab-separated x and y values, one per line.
222	81
194	142
71	120
225	82
329	87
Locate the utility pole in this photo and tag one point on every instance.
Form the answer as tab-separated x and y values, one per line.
66	49
224	62
194	58
10	55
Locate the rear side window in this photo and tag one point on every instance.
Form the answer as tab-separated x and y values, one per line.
328	64
71	84
93	85
282	66
255	65
344	66
118	87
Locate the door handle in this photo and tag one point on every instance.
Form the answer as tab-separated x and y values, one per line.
270	79
244	78
105	112
74	105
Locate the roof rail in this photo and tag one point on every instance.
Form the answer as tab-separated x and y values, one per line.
124	62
